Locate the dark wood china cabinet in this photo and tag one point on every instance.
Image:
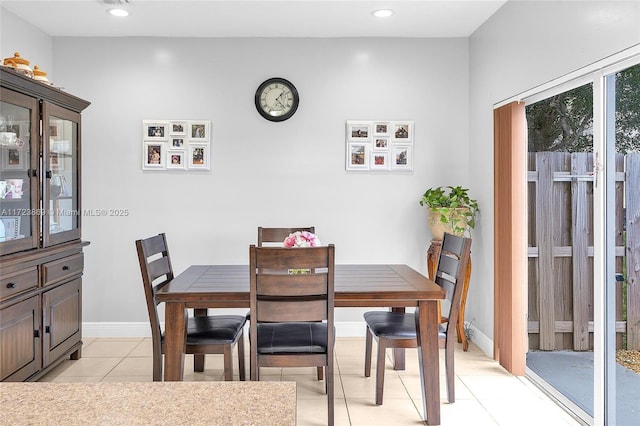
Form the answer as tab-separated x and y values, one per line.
41	251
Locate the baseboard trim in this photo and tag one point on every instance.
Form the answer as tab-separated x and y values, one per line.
142	329
482	341
343	329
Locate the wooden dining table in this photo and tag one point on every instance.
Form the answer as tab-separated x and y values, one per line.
373	285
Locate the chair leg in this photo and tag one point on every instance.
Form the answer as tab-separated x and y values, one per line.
198	362
330	394
157	367
241	368
367	353
254	370
450	370
228	362
320	373
382	349
462	337
198	359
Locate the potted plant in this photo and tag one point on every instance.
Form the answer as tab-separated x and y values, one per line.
451	209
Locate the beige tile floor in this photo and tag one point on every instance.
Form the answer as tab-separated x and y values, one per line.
485	393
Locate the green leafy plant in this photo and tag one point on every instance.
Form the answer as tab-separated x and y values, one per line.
456	208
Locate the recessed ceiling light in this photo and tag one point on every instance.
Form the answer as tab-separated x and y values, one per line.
382	13
117	12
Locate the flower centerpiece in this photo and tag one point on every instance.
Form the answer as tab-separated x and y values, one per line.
301	239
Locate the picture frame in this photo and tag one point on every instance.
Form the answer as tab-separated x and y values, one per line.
13	159
11	189
358	131
176	159
199	130
381	128
358	156
155	130
402	132
11	226
56	161
153	155
381	143
198	157
178	128
380	160
176	145
402	157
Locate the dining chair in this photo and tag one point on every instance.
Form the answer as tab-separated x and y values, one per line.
206	334
291	321
275	237
398	329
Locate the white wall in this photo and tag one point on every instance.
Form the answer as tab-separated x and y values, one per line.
523	45
263	173
17	35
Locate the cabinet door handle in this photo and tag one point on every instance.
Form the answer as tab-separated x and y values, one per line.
36	333
47	329
11	285
65	268
48	174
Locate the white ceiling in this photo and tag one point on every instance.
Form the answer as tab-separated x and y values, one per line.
258	18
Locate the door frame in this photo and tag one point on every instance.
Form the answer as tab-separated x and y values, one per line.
510	306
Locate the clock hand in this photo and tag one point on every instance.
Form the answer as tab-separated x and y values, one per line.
278	101
281	95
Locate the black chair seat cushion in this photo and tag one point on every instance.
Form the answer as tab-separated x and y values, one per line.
394	325
292	337
214	330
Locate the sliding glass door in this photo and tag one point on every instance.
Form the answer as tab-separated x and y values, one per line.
560	141
584	242
620	197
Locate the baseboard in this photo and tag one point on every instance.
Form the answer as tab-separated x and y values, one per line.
482	341
343	329
142	329
116	329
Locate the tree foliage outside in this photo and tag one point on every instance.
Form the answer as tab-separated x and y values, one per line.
564	122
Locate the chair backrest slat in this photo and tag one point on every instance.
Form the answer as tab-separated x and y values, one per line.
277	235
306	284
285	259
292	311
159	267
448	265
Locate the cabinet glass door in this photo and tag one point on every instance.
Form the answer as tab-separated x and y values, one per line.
19	205
61	128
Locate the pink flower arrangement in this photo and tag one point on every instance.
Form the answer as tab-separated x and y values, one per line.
301	239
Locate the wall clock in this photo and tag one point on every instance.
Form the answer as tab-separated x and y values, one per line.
277	99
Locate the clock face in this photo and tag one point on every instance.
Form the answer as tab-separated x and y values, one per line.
276	99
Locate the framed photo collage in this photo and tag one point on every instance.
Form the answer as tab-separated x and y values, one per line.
379	146
176	145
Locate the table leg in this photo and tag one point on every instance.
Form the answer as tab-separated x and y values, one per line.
398	353
427	332
175	340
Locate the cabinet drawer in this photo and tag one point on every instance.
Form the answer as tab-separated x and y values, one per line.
18	282
63	268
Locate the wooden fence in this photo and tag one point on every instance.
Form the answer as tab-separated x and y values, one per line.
560	292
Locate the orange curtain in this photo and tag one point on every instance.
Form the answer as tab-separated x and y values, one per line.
510	237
